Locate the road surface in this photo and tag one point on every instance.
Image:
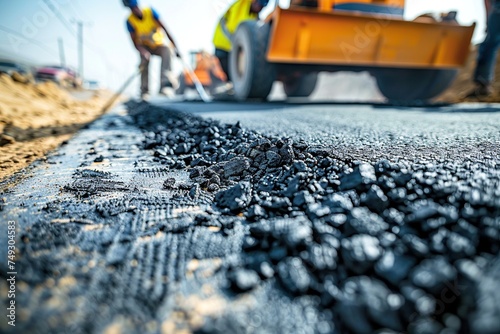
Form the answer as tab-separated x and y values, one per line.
262	218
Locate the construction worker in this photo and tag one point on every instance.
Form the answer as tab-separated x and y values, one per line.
241	10
487	54
144	26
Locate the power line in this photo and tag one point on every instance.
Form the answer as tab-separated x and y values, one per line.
99	51
33	41
74	11
80	9
60	17
59	12
68	27
89	45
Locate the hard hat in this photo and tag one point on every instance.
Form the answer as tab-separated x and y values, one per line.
130	3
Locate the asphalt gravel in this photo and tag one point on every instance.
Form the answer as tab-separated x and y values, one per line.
282	218
370	132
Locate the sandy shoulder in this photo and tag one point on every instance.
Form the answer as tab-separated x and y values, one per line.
37	118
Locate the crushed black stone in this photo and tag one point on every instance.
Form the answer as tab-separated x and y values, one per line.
340	229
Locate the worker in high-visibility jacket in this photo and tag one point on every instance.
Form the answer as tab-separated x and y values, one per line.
145	28
241	10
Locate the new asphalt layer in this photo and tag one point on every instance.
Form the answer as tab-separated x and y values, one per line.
263	218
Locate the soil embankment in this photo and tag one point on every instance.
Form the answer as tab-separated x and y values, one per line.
37	118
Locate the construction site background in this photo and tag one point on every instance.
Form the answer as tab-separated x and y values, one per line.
37	118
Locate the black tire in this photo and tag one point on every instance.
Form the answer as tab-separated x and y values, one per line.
442	80
252	75
413	84
302	86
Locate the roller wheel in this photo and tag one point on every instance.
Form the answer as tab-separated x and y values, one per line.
302	86
413	84
252	75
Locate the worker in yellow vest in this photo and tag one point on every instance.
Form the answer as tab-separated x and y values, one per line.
241	10
145	28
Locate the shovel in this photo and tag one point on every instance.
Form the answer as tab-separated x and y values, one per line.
121	90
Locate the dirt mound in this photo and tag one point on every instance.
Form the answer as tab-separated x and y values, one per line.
36	118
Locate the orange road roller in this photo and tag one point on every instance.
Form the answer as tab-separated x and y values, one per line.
206	68
410	60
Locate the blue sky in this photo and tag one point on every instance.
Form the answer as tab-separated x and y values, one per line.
109	53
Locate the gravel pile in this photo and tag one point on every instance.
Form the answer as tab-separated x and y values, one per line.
394	246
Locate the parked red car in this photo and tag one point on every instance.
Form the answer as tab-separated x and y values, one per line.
61	75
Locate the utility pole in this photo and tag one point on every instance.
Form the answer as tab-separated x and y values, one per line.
61	52
80	48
